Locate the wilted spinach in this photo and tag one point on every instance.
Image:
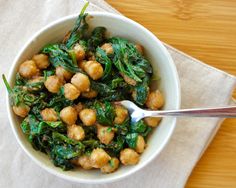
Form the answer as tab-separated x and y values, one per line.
51	137
59	55
105	113
79	30
102	57
131	140
141	128
97	38
128	60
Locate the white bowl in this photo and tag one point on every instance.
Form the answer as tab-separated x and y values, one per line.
162	64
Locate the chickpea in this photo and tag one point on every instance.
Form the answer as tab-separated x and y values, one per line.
49	114
79	52
53	84
71	92
139	48
63	74
79	107
121	114
129	80
21	110
112	165
41	61
104	134
129	157
88	116
85	162
81	81
68	115
140	144
99	158
90	94
107	47
155	100
28	69
152	121
93	69
75	132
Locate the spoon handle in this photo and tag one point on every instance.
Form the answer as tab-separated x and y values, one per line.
197	112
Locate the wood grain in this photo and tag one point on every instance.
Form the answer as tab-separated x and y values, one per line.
205	30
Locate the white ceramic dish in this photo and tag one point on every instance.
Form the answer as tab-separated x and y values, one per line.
161	62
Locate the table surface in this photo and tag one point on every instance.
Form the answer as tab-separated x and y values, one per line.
205	30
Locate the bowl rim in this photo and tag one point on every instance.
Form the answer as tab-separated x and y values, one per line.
132	170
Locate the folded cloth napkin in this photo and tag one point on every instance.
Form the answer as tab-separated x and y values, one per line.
201	86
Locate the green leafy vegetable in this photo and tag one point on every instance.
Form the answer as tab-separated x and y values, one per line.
50	137
141	128
97	38
105	114
58	101
131	140
80	29
102	57
60	56
115	146
128	60
141	91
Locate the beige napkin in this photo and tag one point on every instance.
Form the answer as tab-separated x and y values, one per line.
201	86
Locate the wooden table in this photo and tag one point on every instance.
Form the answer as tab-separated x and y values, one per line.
206	30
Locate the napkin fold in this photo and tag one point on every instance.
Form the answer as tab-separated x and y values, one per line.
201	86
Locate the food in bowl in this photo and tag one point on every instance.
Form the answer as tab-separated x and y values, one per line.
66	93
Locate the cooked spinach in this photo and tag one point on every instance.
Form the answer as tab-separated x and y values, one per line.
59	55
105	113
79	30
131	140
97	38
51	137
128	60
140	127
102	57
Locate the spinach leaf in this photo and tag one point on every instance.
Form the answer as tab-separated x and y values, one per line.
41	127
19	95
105	113
138	127
117	82
141	128
25	127
123	129
128	60
91	144
20	81
35	86
115	146
58	101
141	91
47	73
59	55
102	89
47	137
131	140
97	38
106	93
102	58
80	29
63	149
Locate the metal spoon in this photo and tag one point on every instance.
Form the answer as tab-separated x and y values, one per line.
138	113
